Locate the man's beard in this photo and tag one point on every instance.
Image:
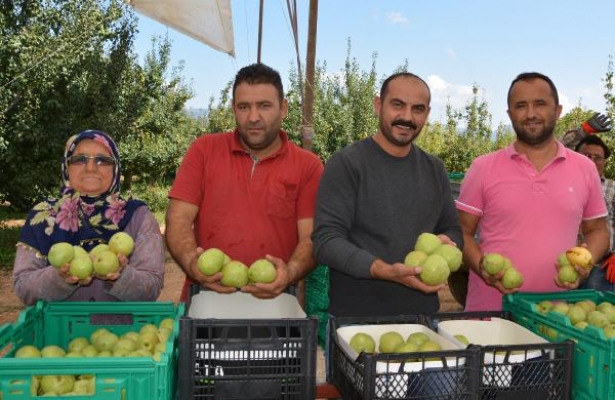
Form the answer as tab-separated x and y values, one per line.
387	132
533	140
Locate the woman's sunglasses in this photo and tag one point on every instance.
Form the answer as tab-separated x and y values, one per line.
82	159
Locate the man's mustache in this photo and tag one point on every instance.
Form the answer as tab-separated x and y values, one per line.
408	124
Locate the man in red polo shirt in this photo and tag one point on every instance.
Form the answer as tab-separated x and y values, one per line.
249	192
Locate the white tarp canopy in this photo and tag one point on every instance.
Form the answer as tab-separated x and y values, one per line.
208	21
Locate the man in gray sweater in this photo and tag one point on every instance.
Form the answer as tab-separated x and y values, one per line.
376	196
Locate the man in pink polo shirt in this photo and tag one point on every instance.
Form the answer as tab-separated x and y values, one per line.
250	192
527	201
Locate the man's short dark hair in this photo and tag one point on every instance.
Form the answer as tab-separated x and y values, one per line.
530	76
385	84
596	141
254	74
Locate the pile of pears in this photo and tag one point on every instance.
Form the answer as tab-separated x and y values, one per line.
436	259
394	342
235	273
581	314
101	260
149	341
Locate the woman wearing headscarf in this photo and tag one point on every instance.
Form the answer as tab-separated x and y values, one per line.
88	212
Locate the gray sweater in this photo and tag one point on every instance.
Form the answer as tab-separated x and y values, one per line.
372	205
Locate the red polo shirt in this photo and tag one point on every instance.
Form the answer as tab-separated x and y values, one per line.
247	208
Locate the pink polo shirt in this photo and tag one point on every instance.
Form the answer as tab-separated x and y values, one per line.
528	216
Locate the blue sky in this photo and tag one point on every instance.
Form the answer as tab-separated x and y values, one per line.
452	44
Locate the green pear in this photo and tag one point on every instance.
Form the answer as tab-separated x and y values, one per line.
60	253
435	270
362	342
427	243
451	254
57	384
98	248
415	258
28	351
567	274
210	261
81	267
106	262
493	263
234	274
262	271
512	279
389	341
418	338
121	243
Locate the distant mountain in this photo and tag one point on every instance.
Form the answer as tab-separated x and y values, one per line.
197	112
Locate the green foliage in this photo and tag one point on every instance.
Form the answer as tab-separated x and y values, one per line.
8	240
155	195
70	66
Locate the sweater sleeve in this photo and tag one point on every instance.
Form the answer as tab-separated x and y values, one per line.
335	209
143	277
34	279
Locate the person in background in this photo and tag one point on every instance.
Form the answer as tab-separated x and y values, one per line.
585	141
88	212
249	192
528	200
375	198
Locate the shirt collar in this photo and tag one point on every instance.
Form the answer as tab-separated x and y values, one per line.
237	146
511	152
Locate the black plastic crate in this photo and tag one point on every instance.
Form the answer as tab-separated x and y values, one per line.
239	359
385	376
518	371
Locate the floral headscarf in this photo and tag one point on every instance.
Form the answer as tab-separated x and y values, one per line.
75	218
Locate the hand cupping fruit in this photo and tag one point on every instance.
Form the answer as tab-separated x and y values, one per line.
494	263
577	255
101	260
235	273
436	259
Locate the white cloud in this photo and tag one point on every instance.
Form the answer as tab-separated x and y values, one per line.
450	52
443	92
397	18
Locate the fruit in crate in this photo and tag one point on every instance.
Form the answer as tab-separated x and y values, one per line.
415	258
60	253
28	351
512	278
427	243
234	274
435	270
462	338
576	314
389	341
121	243
561	308
545	306
417	338
210	261
57	384
52	351
77	344
580	256
262	271
597	319
362	342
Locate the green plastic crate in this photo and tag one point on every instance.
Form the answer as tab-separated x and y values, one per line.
594	354
116	378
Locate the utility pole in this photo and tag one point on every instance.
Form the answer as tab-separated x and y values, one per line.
310	67
260	30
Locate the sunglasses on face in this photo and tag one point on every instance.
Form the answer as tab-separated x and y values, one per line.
81	159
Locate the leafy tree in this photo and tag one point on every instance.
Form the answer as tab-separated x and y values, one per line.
69	66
